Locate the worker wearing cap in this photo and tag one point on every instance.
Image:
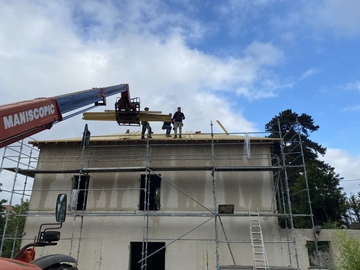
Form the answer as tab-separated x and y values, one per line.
145	125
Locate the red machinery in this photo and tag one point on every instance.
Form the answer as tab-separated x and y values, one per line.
127	110
22	119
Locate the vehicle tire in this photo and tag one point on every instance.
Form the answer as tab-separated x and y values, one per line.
61	267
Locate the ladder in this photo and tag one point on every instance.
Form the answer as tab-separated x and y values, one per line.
257	241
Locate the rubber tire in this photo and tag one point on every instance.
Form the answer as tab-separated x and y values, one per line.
61	267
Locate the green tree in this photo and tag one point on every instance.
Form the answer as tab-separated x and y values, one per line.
14	229
328	200
289	125
353	208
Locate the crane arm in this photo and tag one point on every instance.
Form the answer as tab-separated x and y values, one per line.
96	96
23	119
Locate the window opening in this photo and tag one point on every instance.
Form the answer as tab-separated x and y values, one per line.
153	262
152	183
79	192
324	256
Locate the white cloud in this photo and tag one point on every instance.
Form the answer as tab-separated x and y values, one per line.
347	166
308	73
352	108
353	86
48	54
339	16
264	54
307	20
61	56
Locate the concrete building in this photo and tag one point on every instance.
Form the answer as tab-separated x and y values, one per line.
207	201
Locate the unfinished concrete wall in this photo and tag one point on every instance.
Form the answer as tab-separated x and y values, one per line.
117	191
185	221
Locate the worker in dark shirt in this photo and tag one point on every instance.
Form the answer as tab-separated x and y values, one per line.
167	126
145	125
177	121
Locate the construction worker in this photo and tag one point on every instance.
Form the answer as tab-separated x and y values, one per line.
177	121
145	125
167	126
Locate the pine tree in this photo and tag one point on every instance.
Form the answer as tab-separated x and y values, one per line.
328	200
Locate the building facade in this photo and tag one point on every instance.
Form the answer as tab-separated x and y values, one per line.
203	202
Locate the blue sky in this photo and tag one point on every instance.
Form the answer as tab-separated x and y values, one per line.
237	61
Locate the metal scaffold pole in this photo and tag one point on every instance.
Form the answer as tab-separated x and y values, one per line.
144	251
7	218
215	201
286	177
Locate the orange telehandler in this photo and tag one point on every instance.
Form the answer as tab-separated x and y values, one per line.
23	119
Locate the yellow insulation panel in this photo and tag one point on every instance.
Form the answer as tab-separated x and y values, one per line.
110	116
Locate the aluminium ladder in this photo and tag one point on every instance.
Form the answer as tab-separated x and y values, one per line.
257	241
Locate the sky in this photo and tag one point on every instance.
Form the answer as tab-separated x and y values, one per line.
241	62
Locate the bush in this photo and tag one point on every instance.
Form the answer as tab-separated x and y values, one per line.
349	250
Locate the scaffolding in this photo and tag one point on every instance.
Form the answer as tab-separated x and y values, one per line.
26	158
15	187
